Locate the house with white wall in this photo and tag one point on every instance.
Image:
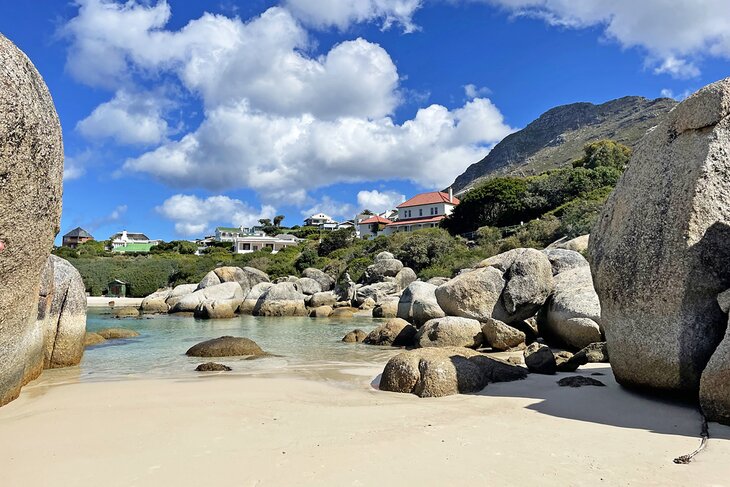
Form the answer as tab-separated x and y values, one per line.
321	219
259	241
125	241
371	226
425	210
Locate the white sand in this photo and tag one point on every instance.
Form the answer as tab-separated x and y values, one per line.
103	302
221	431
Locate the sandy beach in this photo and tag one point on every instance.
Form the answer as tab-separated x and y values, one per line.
218	430
103	301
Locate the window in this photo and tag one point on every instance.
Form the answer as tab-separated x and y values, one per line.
270	246
255	248
246	246
420	212
436	210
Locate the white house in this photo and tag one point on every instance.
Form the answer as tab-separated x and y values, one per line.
372	225
320	219
425	210
228	234
131	242
254	242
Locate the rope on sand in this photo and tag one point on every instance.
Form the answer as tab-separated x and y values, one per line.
685	459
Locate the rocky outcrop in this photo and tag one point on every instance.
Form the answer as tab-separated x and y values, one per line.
659	251
437	372
308	286
226	346
228	292
281	299
252	298
395	332
572	315
326	282
246	277
450	331
64	322
31	179
418	303
214	310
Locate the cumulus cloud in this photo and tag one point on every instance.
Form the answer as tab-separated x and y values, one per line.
129	118
379	201
342	13
193	215
474	91
668	93
672	33
277	118
75	166
114	216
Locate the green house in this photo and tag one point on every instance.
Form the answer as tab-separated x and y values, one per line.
117	289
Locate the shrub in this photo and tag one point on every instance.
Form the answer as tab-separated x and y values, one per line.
424	248
336	239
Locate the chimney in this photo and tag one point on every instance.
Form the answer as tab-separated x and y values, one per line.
451	194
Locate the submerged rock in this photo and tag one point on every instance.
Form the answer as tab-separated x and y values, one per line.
212	367
116	333
226	346
437	372
355	336
91	339
659	251
126	312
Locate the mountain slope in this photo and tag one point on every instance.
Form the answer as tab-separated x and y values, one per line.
557	137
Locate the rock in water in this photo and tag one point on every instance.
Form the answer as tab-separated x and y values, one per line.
226	346
31	178
64	325
91	339
659	251
355	336
212	367
437	372
396	332
117	333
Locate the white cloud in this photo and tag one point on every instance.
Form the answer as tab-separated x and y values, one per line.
114	216
473	91
342	13
668	93
332	208
193	215
674	33
73	166
129	118
378	201
238	147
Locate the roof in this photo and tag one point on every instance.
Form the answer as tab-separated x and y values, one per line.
433	219
134	247
429	199
228	229
319	216
78	232
130	236
375	219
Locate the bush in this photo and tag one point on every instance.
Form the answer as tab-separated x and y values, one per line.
337	239
604	153
424	248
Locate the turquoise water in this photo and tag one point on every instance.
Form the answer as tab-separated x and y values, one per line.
299	345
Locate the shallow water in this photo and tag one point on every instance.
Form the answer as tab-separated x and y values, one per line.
299	346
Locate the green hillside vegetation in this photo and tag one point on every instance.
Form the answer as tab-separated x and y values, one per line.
500	214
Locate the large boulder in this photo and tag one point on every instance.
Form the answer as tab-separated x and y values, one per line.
214	310
252	298
228	292
450	331
418	303
64	324
437	372
577	244
500	336
156	302
325	298
387	308
572	315
528	277
320	312
246	277
210	279
377	292
475	294
395	332
659	251
281	299
226	346
405	277
179	292
381	269
31	179
326	282
563	260
715	383
308	286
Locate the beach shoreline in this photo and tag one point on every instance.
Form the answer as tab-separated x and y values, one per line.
235	430
103	302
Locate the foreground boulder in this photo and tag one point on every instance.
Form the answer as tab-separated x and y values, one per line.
437	372
91	339
450	331
715	383
281	299
475	294
572	314
396	332
31	179
418	303
64	323
659	251
226	346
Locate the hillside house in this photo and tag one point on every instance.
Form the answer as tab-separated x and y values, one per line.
371	226
76	237
128	242
321	220
425	210
259	241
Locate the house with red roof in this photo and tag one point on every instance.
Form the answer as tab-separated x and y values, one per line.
372	226
425	210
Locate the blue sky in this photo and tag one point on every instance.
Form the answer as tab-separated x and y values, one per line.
179	116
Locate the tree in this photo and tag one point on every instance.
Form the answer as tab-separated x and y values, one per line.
367	212
278	219
337	239
604	153
424	248
266	222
